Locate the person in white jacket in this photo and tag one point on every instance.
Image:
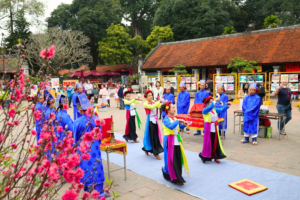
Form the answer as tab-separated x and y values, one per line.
103	97
158	93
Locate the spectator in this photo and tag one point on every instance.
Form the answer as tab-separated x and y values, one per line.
241	95
169	85
88	88
95	92
121	97
61	89
116	95
151	86
125	89
70	89
158	93
103	95
210	85
108	95
284	104
294	95
261	92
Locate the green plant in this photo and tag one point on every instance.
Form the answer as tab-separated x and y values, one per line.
238	65
228	30
134	77
179	69
115	195
272	21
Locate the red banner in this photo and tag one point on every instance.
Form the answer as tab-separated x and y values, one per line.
292	67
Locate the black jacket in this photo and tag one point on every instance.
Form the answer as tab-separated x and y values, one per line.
120	92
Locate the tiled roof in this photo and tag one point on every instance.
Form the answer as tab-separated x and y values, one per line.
112	68
279	45
67	71
64	71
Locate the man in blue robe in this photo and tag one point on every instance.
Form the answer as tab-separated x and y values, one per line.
199	96
251	106
79	90
39	106
62	117
168	97
94	174
183	101
220	104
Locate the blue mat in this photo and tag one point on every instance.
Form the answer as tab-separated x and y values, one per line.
210	181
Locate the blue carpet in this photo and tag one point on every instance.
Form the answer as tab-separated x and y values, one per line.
210	181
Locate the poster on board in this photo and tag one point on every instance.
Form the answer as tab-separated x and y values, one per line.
69	82
294	78
55	83
275	77
230	79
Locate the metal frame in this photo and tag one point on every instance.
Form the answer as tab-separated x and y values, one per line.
108	151
278	117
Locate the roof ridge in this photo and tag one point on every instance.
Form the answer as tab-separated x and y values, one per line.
225	36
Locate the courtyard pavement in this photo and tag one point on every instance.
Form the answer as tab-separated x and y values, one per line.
277	155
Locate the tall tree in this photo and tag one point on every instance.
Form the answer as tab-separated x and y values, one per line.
165	34
114	48
193	18
21	30
140	13
10	8
91	17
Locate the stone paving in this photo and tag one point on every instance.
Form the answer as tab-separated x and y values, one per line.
278	155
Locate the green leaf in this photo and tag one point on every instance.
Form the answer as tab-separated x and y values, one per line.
36	180
3	183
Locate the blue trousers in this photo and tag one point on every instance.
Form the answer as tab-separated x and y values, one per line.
284	110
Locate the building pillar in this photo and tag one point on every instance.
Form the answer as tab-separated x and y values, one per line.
203	75
196	72
140	64
218	71
276	68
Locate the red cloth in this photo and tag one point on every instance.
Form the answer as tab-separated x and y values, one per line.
197	107
106	127
294	92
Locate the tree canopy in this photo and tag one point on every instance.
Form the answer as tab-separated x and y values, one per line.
165	34
238	65
91	17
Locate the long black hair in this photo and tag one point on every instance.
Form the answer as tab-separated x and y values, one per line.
245	90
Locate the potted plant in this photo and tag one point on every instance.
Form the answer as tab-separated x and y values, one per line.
134	79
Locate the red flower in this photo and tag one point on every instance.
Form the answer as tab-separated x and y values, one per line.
88	137
95	194
14	145
97	122
12	113
48	53
16	122
70	195
90	111
33	132
86	156
60	129
65	107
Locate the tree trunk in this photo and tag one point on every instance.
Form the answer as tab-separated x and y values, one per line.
135	28
94	53
11	21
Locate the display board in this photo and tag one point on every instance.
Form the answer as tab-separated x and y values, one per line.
69	82
172	79
228	81
190	82
55	83
292	79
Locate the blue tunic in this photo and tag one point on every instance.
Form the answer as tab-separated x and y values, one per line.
93	168
200	95
168	97
44	119
64	119
224	99
183	103
38	127
251	106
76	112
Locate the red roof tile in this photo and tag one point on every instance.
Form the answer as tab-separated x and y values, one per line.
111	67
268	46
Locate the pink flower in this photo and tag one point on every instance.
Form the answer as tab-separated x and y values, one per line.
102	198
37	115
86	156
47	184
6	189
65	107
2	138
33	132
70	195
78	175
97	122
14	145
12	113
9	123
48	53
60	129
86	195
102	122
88	137
95	194
52	116
0	107
27	79
16	122
90	111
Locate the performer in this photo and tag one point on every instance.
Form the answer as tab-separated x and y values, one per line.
199	96
241	95
79	90
219	104
152	135
62	117
183	102
174	155
130	130
212	145
39	106
251	106
94	175
168	97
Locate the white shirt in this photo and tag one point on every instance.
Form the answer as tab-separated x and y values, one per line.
176	142
132	109
152	116
157	92
88	88
214	117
